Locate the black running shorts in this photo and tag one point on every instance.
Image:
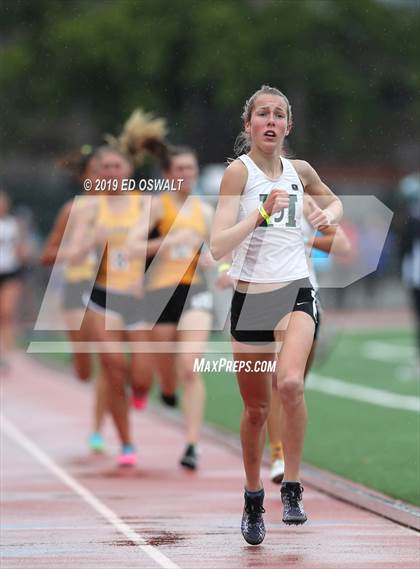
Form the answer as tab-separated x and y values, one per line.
73	294
17	274
255	316
166	305
128	307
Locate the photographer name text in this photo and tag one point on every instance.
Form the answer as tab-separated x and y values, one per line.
131	185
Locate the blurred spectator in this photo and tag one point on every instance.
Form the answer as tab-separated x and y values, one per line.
410	243
343	266
14	254
33	281
371	235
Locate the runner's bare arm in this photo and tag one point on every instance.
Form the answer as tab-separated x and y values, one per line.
226	233
24	250
82	236
327	208
54	239
223	279
208	213
333	240
137	241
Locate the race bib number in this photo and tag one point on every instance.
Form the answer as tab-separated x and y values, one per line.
202	301
119	260
181	252
286	217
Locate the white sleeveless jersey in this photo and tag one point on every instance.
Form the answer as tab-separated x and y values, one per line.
9	237
274	252
308	233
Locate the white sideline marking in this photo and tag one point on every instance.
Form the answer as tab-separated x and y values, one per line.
14	433
384	352
333	386
65	347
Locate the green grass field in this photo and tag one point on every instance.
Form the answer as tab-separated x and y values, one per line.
363	441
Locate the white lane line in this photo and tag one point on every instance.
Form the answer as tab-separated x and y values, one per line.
14	433
333	386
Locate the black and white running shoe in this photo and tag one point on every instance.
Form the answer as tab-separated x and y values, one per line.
190	458
252	526
291	496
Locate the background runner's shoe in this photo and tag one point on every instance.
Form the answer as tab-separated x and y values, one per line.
190	458
252	525
139	401
291	496
128	456
96	443
169	400
277	471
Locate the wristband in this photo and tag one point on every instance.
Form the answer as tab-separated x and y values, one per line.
223	267
264	214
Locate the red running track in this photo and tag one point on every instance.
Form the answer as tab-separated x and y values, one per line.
63	508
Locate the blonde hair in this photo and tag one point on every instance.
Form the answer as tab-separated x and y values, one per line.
142	135
242	142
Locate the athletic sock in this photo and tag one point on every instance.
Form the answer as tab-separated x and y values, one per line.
277	451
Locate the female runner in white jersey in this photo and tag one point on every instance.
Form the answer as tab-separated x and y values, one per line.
259	218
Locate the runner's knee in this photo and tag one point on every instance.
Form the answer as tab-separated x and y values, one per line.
186	369
82	366
116	369
291	390
257	414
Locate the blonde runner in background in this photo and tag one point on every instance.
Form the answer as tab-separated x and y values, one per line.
116	303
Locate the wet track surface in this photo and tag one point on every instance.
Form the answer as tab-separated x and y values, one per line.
171	518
